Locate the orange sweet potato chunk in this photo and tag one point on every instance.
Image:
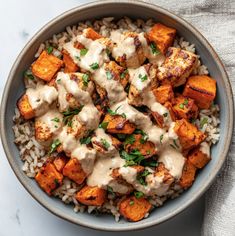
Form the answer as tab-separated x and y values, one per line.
49	178
91	34
202	89
91	196
70	65
74	171
163	93
134	209
46	66
60	161
162	36
188	175
198	158
25	108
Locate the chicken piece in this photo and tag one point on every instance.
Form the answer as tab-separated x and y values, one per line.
189	135
74	171
116	175
185	108
70	65
188	175
163	93
60	161
162	36
134	209
162	172
91	34
25	108
177	66
198	158
46	66
117	124
49	178
116	72
202	89
91	196
140	143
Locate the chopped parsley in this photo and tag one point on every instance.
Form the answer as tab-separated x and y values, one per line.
131	203
56	182
121	136
203	122
165	114
54	145
175	145
68	115
78	58
108	52
70	123
28	75
113	113
105	143
161	138
143	78
132	158
56	119
109	75
181	106
110	190
144	137
154	48
130	139
185	103
58	81
94	66
152	162
103	125
85	140
141	177
123	74
138	194
83	51
49	49
85	79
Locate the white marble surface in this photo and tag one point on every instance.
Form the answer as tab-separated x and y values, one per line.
20	214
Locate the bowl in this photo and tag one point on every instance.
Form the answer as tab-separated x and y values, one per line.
134	9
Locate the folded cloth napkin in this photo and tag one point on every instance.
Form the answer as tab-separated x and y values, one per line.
216	21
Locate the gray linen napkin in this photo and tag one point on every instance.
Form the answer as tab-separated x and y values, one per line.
216	21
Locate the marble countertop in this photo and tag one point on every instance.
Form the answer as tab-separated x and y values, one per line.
20	214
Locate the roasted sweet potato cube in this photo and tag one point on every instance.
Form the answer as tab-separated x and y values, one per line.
70	65
49	178
202	89
117	124
162	36
185	108
198	158
91	34
188	175
189	135
163	93
161	171
74	171
91	196
46	66
60	161
177	67
138	142
134	209
25	108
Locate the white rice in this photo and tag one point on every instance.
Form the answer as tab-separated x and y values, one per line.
34	155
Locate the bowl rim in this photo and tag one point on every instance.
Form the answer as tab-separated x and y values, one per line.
207	182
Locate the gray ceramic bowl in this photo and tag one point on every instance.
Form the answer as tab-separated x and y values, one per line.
14	88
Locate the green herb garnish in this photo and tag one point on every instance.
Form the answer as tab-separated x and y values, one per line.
143	78
174	141
28	75
94	66
78	58
165	114
130	139
121	136
58	81
83	51
141	177
105	143
138	194
103	125
154	48
123	74
131	203
85	140
54	145
161	138
181	106
113	113
109	75
108	52
56	119
56	182
110	190
85	79
203	122
68	115
132	158
49	49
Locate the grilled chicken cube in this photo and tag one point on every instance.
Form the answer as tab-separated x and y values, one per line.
189	135
162	36
162	172
188	175
46	66
140	143
117	124
49	178
185	108
163	93
202	89
134	209
74	171
25	108
91	196
70	65
177	67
